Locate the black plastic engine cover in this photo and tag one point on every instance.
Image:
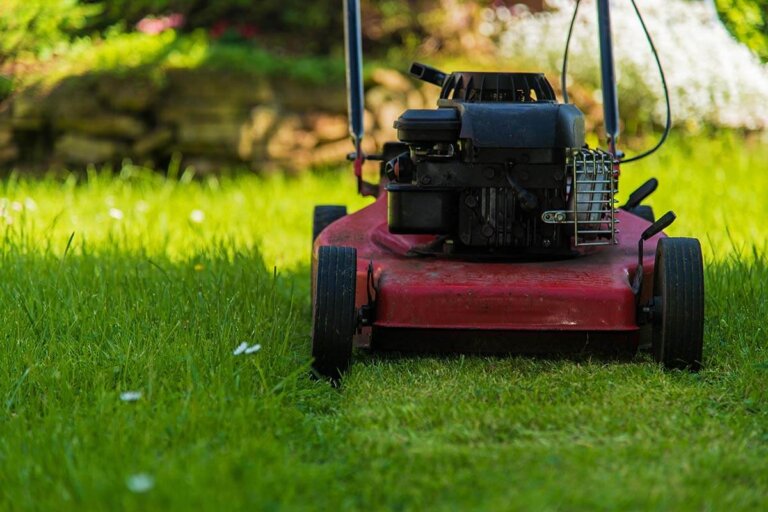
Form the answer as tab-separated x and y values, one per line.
520	125
417	125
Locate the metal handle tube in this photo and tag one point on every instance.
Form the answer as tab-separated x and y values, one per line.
608	75
354	58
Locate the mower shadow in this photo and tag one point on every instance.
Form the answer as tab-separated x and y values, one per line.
367	357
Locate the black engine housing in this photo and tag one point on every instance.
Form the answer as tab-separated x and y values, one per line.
483	167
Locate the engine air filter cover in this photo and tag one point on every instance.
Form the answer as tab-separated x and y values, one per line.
472	86
417	125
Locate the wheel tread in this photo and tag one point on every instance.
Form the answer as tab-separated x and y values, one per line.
334	310
678	336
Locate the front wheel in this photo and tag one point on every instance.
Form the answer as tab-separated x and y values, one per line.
334	318
678	304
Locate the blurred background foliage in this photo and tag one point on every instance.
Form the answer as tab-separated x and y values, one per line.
747	20
304	27
43	26
49	40
394	30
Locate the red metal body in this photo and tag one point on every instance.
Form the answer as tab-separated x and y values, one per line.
575	298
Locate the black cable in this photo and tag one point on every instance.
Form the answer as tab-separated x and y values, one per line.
668	125
565	54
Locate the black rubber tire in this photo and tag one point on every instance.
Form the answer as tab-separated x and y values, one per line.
324	216
678	289
644	212
334	318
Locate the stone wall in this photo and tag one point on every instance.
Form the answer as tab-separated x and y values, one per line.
211	120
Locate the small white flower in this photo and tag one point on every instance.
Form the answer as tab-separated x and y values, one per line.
116	213
140	482
244	348
17	206
130	396
142	206
30	204
197	216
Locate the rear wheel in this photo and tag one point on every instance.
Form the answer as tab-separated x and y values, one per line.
678	304
324	216
333	312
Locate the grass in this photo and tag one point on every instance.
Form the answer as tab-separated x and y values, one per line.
150	295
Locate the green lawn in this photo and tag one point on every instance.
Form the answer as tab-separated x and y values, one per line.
137	283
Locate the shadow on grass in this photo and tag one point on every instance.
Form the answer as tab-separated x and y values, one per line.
369	356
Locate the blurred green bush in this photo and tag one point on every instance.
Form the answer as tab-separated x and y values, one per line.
296	25
747	20
303	40
308	27
311	22
37	27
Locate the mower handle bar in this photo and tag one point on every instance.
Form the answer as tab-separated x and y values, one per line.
353	53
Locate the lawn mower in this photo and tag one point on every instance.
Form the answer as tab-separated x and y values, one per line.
495	229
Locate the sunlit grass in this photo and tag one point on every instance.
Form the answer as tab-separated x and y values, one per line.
139	210
717	188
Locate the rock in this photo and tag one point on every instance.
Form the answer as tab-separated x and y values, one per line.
74	106
8	154
199	110
430	95
27	110
331	153
129	94
215	86
304	139
6	136
273	167
415	99
214	118
377	97
210	139
282	143
203	166
369	120
80	149
154	141
103	124
328	127
256	133
300	97
5	112
386	117
263	122
392	80
71	98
